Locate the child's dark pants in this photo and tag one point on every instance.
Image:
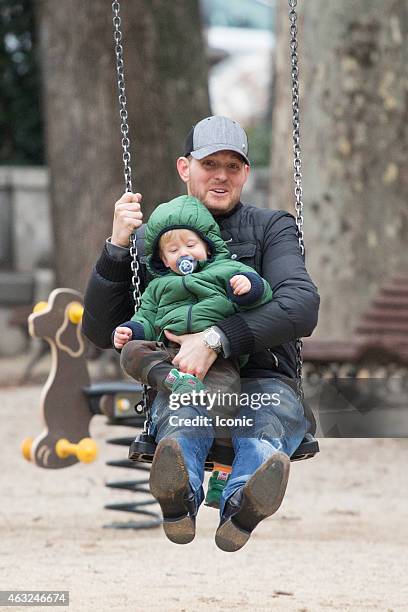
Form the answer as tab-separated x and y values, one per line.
149	362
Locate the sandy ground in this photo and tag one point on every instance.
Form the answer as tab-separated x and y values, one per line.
339	541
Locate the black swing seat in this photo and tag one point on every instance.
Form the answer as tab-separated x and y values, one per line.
143	448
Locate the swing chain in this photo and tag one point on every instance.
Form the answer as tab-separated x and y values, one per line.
297	163
124	128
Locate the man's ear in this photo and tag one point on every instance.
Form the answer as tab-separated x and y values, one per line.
183	168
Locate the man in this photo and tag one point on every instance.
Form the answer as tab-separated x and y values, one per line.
214	168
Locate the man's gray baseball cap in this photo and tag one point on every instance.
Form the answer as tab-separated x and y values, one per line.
214	134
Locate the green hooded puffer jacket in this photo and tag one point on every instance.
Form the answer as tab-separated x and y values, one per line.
191	303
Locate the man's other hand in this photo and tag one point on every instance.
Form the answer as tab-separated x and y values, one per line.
127	218
194	357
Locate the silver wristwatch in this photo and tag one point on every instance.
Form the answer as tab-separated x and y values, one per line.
213	339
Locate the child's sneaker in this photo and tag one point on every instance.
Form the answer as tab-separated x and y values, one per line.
216	485
180	383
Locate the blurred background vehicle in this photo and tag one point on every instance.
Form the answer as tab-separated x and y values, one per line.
241	40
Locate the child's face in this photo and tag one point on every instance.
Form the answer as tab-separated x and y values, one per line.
181	242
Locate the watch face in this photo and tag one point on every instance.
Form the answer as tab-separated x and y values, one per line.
213	338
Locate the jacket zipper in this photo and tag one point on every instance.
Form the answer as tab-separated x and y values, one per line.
190	308
189	313
274	356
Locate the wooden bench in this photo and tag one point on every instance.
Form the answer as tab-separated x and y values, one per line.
19	317
380	337
358	387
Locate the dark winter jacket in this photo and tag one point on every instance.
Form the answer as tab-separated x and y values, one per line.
266	240
191	303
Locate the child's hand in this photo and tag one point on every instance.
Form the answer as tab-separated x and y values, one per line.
121	337
240	284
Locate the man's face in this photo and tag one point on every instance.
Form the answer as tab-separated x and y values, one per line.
217	180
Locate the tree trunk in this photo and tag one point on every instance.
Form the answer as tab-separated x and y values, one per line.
281	143
166	87
354	112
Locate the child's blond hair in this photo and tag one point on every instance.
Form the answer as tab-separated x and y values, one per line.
167	236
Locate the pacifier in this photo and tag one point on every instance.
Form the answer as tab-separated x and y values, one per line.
186	264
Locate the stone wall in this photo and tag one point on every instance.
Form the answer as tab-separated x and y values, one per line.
26	248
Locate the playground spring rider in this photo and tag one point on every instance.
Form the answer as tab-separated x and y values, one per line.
143	448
